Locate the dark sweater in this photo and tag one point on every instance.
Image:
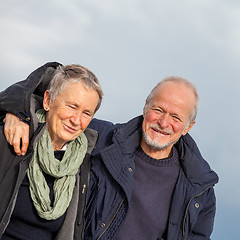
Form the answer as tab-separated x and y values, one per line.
153	184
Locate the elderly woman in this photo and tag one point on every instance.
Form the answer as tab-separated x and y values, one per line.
42	193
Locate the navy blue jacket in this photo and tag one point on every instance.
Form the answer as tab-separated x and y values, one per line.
112	168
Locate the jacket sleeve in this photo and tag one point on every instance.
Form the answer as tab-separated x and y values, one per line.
105	133
16	98
203	227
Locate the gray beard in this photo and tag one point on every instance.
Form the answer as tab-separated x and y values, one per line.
154	144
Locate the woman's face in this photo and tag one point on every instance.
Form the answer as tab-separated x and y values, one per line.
70	112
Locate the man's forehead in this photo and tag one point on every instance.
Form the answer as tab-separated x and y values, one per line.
176	90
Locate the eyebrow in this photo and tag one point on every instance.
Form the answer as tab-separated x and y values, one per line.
171	114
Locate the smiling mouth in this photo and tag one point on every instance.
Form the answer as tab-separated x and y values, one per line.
69	129
160	131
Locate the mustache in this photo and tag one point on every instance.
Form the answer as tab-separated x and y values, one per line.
158	128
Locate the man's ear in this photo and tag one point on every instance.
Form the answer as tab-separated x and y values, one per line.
144	111
188	128
46	100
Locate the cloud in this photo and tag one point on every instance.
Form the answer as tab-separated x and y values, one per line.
27	36
23	34
131	45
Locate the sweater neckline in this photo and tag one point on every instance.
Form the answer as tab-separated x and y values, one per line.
171	160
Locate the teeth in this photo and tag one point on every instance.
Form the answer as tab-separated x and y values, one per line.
159	131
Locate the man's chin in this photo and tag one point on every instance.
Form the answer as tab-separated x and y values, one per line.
159	147
155	144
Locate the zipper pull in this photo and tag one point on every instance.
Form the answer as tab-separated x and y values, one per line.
84	188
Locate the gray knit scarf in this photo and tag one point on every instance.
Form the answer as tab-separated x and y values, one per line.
64	172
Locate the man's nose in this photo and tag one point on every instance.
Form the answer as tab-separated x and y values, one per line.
164	120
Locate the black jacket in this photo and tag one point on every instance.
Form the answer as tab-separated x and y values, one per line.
13	168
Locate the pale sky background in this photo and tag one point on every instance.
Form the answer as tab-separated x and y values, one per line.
131	45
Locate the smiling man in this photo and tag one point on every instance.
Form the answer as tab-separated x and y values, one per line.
169	113
148	180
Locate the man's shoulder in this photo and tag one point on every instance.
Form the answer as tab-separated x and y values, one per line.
196	168
190	144
105	131
101	125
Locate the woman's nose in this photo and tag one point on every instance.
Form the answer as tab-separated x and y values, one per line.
76	118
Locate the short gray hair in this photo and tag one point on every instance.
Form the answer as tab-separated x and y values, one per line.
74	73
182	81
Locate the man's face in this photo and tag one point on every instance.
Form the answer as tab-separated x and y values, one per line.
70	112
166	118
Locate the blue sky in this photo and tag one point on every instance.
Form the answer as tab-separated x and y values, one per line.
133	44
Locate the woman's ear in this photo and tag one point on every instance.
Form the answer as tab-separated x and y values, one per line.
46	100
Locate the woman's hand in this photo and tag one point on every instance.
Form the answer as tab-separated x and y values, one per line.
16	133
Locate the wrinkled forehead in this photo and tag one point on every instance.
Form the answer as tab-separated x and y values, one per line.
176	90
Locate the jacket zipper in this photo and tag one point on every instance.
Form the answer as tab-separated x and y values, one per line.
185	216
111	219
84	193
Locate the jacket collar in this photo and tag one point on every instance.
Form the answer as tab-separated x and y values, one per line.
194	166
92	136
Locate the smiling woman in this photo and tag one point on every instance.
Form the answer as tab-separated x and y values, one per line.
70	112
50	189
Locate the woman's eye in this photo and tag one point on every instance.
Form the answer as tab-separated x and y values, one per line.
88	114
71	106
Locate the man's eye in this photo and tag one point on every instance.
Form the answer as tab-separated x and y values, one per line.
157	110
176	118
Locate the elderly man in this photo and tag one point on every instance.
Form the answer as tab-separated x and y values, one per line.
148	179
